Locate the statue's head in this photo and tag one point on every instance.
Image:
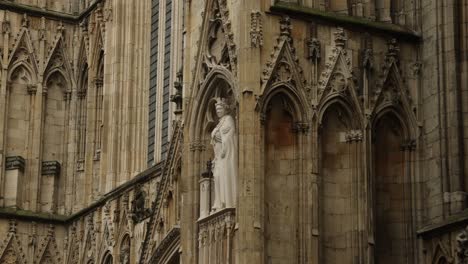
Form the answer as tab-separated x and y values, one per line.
222	107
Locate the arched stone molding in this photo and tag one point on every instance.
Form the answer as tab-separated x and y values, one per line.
23	53
216	49
441	255
124	246
283	68
107	258
336	84
97	48
201	101
57	62
167	249
296	102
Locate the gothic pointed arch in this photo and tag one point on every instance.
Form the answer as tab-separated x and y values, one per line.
217	50
57	62
218	83
336	84
124	247
48	252
106	242
97	48
11	250
392	95
283	69
73	250
88	251
107	258
23	54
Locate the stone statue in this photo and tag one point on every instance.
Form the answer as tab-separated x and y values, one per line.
224	141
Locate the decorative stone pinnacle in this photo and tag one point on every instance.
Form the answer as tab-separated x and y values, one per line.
314	48
393	48
285	26
340	37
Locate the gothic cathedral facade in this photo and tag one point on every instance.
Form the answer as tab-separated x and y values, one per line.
234	131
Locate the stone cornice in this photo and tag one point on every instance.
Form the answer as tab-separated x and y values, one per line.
8	213
297	11
39	12
452	222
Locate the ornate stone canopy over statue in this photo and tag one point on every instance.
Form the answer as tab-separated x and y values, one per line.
224	142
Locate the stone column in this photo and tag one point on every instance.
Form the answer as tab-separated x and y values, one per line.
14	173
6	28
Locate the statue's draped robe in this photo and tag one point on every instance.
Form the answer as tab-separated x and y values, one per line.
224	141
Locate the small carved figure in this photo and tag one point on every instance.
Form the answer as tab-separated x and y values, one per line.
224	141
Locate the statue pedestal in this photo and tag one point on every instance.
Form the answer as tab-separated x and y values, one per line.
215	237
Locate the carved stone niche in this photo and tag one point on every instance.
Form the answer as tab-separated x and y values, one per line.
139	211
50	171
14	171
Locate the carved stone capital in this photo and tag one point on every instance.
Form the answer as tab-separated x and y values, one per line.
32	89
67	95
353	136
409	145
301	127
98	82
15	163
197	145
50	168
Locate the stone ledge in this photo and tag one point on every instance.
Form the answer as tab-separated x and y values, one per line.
295	10
39	12
452	222
32	216
6	213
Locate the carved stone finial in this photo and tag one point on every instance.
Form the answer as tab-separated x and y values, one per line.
25	21
285	26
12	226
314	49
340	37
368	59
60	28
6	27
416	67
393	48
